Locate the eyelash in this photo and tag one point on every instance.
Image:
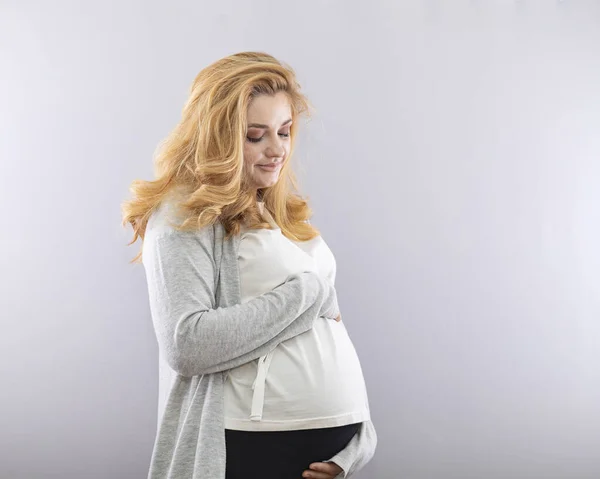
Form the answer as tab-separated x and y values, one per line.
256	140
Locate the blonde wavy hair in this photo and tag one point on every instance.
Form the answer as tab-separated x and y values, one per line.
203	155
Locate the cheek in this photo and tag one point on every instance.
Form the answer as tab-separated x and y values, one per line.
250	155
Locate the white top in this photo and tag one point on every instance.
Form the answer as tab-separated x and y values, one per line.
313	380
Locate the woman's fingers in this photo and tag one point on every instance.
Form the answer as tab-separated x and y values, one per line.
322	470
318	475
339	318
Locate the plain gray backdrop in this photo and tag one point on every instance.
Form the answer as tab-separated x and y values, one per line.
453	164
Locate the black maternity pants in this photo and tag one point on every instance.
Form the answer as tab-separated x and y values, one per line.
282	454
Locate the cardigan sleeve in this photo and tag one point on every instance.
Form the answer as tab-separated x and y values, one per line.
359	451
194	335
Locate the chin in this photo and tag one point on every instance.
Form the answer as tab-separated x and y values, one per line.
268	184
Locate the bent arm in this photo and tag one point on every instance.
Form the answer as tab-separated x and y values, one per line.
196	337
358	452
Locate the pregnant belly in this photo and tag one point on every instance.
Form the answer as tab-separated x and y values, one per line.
317	373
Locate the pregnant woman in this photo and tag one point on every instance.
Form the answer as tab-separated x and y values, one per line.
258	376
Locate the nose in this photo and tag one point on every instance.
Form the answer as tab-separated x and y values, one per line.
275	149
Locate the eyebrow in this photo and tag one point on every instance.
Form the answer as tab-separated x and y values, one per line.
260	125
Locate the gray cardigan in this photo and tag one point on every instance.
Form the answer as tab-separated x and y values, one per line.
203	330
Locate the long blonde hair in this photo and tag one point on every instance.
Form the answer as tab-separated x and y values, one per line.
203	155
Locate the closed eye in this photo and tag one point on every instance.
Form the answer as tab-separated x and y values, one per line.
256	140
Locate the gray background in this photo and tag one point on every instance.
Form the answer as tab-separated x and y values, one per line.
453	166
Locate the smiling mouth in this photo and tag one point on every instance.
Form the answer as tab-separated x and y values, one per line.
271	167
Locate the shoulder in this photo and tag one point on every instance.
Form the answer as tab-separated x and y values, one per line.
162	227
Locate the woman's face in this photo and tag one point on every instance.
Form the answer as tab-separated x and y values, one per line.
267	138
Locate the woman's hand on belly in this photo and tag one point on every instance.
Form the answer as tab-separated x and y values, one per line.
322	470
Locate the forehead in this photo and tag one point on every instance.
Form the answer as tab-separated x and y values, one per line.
269	109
